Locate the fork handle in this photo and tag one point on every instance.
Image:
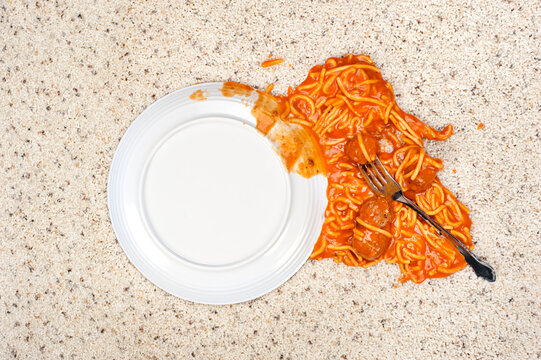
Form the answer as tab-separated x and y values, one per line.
481	268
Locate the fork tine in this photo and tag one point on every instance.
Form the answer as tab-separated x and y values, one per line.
376	173
381	168
379	179
369	181
387	177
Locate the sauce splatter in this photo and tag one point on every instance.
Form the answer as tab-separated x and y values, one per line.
231	88
199	95
268	63
297	145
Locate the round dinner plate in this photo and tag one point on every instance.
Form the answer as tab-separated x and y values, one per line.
202	203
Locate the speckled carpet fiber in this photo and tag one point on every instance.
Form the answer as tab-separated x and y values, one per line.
75	74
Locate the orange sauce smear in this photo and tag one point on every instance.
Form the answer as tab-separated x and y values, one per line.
199	95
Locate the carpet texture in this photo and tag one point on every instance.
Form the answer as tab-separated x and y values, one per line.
75	74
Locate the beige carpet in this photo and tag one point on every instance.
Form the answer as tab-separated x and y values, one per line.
74	77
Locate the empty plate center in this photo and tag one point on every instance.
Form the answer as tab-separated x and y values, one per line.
216	192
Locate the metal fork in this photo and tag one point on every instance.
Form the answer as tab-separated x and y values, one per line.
381	182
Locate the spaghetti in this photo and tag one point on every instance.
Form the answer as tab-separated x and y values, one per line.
268	63
354	117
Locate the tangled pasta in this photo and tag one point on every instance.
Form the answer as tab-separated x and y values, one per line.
344	102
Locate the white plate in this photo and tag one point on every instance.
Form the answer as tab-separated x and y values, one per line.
202	204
